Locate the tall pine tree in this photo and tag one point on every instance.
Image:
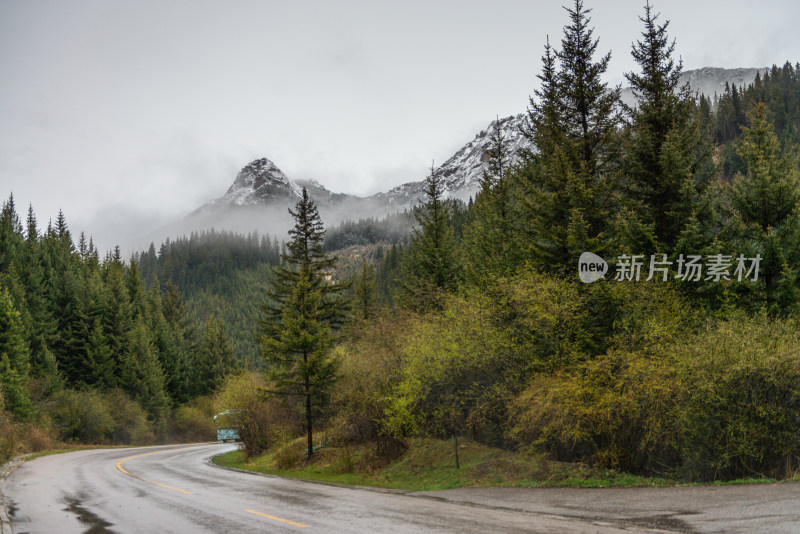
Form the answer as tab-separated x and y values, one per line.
14	361
489	251
301	308
667	163
569	181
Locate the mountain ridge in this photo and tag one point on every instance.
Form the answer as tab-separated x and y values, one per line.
259	194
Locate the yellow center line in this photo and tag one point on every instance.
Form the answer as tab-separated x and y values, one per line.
119	466
276	518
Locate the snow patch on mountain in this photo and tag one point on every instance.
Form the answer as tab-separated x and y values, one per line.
708	81
462	172
262	183
258	181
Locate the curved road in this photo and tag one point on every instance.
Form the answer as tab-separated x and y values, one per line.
177	489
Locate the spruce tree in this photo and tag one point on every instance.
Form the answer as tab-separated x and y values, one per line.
14	360
430	266
364	294
117	318
300	310
569	181
214	359
169	336
488	246
141	376
668	159
765	200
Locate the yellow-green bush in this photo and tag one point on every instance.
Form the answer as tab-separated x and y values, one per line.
719	404
259	419
370	367
80	416
98	417
194	421
739	412
460	368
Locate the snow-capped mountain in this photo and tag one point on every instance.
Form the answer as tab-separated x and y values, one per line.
261	191
461	173
262	183
259	182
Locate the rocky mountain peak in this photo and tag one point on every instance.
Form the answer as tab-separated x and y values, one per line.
262	183
258	182
462	172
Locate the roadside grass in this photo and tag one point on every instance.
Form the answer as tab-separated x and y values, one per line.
429	465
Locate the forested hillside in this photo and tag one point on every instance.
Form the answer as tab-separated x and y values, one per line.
220	274
88	351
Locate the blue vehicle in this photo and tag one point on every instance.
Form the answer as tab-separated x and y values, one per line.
225	430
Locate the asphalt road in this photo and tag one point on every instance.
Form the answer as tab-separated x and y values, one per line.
177	489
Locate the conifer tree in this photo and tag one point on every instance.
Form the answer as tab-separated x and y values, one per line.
10	235
14	360
489	251
100	363
301	308
214	359
430	266
569	182
766	201
364	291
117	317
169	337
141	376
32	233
388	274
668	160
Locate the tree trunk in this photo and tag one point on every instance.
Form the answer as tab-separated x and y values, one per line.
455	447
308	412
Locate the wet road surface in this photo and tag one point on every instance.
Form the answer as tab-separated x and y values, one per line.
177	489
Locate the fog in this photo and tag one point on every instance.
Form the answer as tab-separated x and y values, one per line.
130	115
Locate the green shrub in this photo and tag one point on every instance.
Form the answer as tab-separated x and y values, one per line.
289	453
460	368
129	420
370	367
98	417
716	405
259	419
80	416
194	421
739	414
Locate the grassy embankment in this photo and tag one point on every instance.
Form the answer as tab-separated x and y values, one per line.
429	464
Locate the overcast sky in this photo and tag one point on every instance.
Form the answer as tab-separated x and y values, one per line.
129	115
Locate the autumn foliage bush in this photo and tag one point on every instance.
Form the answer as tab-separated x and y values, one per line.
8	435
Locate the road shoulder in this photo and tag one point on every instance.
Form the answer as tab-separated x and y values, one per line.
5	470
